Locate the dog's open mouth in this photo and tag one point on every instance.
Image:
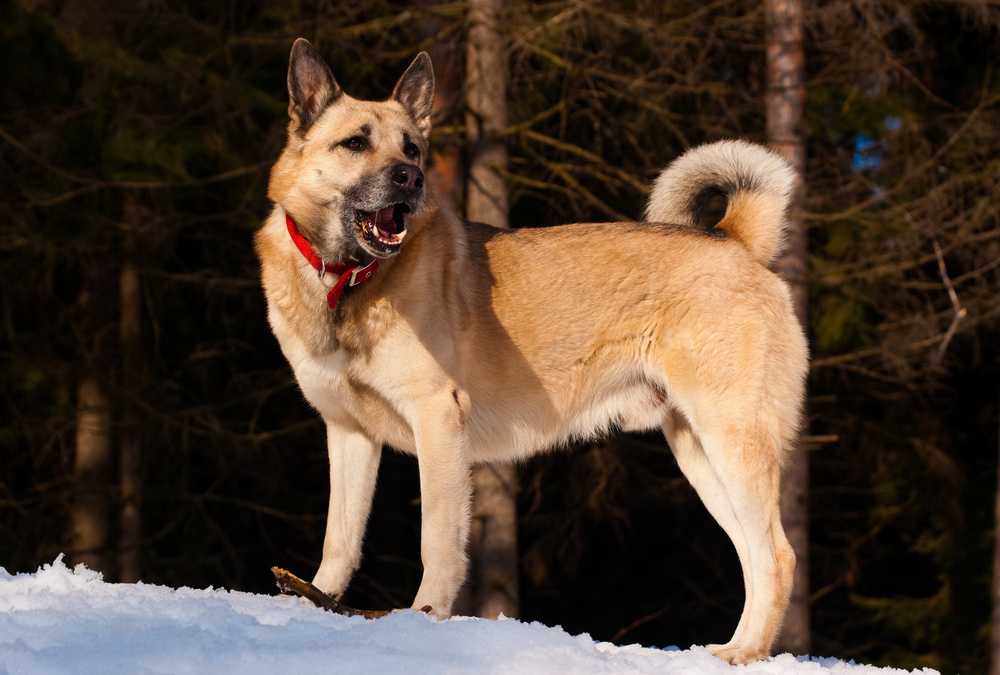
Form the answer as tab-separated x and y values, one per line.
382	231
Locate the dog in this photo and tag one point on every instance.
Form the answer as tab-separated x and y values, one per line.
462	343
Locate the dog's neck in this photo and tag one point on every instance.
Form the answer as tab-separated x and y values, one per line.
297	296
302	298
338	275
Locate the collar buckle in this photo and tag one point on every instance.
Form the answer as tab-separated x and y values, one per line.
350	274
359	274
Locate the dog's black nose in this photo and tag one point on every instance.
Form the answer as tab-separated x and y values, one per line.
408	176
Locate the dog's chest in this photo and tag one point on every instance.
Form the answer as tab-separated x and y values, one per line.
332	383
321	377
323	380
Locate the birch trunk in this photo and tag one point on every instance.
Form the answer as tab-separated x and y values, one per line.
493	578
785	102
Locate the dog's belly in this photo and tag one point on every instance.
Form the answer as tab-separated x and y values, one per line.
634	408
506	433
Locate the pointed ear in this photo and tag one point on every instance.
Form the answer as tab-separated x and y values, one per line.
311	87
415	90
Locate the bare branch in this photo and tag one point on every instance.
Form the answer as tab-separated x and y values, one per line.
960	311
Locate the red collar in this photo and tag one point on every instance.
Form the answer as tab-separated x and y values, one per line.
351	274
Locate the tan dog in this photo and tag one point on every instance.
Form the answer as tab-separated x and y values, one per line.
473	344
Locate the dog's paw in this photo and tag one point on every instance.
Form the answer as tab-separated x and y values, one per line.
332	580
737	654
430	610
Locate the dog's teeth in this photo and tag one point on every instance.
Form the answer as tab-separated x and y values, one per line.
376	236
390	239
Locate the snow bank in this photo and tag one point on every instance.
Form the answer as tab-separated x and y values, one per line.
59	620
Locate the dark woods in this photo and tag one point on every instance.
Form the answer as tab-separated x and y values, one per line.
150	427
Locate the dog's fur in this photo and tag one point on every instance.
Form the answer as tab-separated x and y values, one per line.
476	344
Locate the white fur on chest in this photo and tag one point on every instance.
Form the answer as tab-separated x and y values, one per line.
322	377
374	392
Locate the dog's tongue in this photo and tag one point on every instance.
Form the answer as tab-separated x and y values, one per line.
385	222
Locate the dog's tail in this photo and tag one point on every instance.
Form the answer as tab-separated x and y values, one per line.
755	183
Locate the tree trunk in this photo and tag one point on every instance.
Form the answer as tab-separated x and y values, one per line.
129	448
785	101
444	175
486	116
493	579
995	624
91	510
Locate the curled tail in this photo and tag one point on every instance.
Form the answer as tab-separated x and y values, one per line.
756	183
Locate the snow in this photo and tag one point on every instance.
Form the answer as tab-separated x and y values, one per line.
59	620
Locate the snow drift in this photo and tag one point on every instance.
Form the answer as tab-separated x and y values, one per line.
59	620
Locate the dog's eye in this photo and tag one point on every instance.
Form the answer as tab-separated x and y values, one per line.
411	150
356	143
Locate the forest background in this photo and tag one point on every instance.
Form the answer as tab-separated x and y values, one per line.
150	427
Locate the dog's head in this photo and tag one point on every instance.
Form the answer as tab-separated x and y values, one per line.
351	173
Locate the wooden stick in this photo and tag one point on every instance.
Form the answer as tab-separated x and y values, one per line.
293	585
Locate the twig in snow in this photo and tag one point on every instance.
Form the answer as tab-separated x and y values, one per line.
289	583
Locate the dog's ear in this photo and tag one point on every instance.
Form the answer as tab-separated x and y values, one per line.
311	87
415	90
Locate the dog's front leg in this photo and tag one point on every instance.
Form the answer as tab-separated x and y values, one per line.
354	460
444	508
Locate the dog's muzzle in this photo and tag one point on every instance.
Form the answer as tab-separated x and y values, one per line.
383	230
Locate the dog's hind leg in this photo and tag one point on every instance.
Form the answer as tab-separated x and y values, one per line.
354	461
694	464
747	464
